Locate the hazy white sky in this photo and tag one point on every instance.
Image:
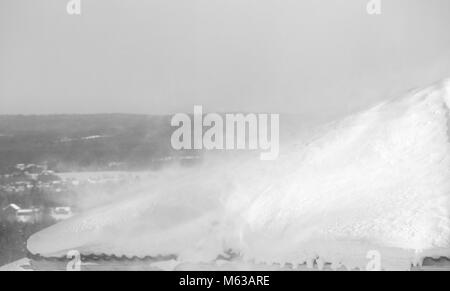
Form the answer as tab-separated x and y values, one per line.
313	57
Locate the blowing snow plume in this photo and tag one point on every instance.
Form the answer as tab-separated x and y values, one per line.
378	180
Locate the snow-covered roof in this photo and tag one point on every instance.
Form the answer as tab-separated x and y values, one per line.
13	206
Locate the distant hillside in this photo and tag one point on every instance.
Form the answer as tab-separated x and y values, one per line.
85	142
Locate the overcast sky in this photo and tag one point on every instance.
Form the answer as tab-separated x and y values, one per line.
313	57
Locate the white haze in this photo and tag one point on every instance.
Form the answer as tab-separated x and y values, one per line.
376	180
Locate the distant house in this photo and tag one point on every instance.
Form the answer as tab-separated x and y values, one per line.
34	169
61	213
48	177
10	212
14	213
33	215
20	167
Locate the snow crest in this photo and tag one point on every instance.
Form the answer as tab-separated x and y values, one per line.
375	181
